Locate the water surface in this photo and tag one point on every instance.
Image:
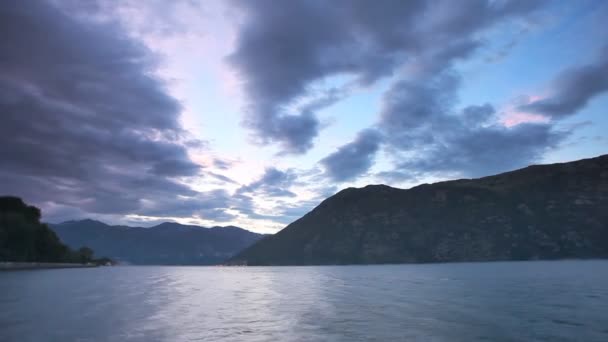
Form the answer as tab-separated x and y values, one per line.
510	301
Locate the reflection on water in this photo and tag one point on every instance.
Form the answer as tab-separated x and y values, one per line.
521	301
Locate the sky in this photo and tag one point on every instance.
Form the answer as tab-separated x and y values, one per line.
250	113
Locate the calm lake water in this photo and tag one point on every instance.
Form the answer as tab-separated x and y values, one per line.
514	301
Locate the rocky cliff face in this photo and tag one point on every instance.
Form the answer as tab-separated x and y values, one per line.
539	212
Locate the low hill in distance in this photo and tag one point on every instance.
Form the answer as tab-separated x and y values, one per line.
539	212
164	244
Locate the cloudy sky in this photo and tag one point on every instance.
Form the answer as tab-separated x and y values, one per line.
251	112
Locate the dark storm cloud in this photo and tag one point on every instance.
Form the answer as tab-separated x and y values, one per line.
423	130
295	132
208	205
245	205
482	151
280	55
412	106
222	164
288	212
354	158
284	47
477	115
427	135
84	123
280	52
273	183
221	177
573	89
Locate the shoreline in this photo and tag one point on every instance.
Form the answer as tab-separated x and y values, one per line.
15	266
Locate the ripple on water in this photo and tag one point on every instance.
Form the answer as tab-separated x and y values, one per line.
540	301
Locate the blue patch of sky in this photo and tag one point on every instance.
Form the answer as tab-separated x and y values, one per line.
567	36
572	35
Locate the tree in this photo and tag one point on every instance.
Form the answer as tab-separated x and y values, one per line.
24	238
85	255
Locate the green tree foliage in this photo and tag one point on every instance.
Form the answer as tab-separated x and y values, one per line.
24	238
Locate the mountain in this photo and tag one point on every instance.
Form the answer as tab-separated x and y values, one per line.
164	244
539	212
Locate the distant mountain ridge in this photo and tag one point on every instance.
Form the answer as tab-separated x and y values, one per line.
538	212
164	244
